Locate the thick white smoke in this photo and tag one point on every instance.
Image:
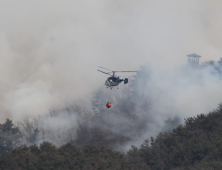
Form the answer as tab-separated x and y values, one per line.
50	51
166	98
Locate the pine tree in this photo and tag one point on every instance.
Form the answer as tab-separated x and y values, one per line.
10	136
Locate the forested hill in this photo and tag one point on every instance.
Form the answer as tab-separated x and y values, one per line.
195	145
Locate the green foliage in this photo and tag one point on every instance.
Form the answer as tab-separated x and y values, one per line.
196	145
10	136
135	160
49	157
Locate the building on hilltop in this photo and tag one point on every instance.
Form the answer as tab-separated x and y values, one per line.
193	59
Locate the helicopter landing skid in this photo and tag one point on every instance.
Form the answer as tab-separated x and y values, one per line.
109	87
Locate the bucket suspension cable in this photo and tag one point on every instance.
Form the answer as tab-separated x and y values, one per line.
108	104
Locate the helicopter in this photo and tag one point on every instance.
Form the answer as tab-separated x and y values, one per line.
113	80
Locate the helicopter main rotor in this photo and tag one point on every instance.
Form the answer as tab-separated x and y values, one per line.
113	72
104	72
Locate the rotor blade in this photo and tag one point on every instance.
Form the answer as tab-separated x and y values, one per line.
127	76
104	68
104	72
124	71
130	76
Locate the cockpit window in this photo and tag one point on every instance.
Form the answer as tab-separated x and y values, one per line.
114	79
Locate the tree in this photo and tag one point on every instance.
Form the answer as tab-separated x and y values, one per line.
10	136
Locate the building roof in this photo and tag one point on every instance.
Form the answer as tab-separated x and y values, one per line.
193	55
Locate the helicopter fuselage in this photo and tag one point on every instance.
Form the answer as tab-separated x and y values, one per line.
113	81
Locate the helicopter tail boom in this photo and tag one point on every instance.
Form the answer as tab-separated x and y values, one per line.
126	81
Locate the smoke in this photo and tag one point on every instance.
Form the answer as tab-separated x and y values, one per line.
158	102
151	103
50	51
58	126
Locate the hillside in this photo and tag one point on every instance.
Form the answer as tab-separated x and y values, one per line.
195	145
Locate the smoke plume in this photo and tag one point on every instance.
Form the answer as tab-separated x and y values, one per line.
50	51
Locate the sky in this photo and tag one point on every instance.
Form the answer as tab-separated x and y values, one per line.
50	49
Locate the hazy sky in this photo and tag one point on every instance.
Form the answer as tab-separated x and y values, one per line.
50	49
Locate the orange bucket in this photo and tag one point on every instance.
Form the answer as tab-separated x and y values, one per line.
108	105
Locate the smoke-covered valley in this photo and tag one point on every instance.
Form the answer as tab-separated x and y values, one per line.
50	51
151	103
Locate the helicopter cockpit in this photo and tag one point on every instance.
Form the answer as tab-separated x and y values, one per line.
113	79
